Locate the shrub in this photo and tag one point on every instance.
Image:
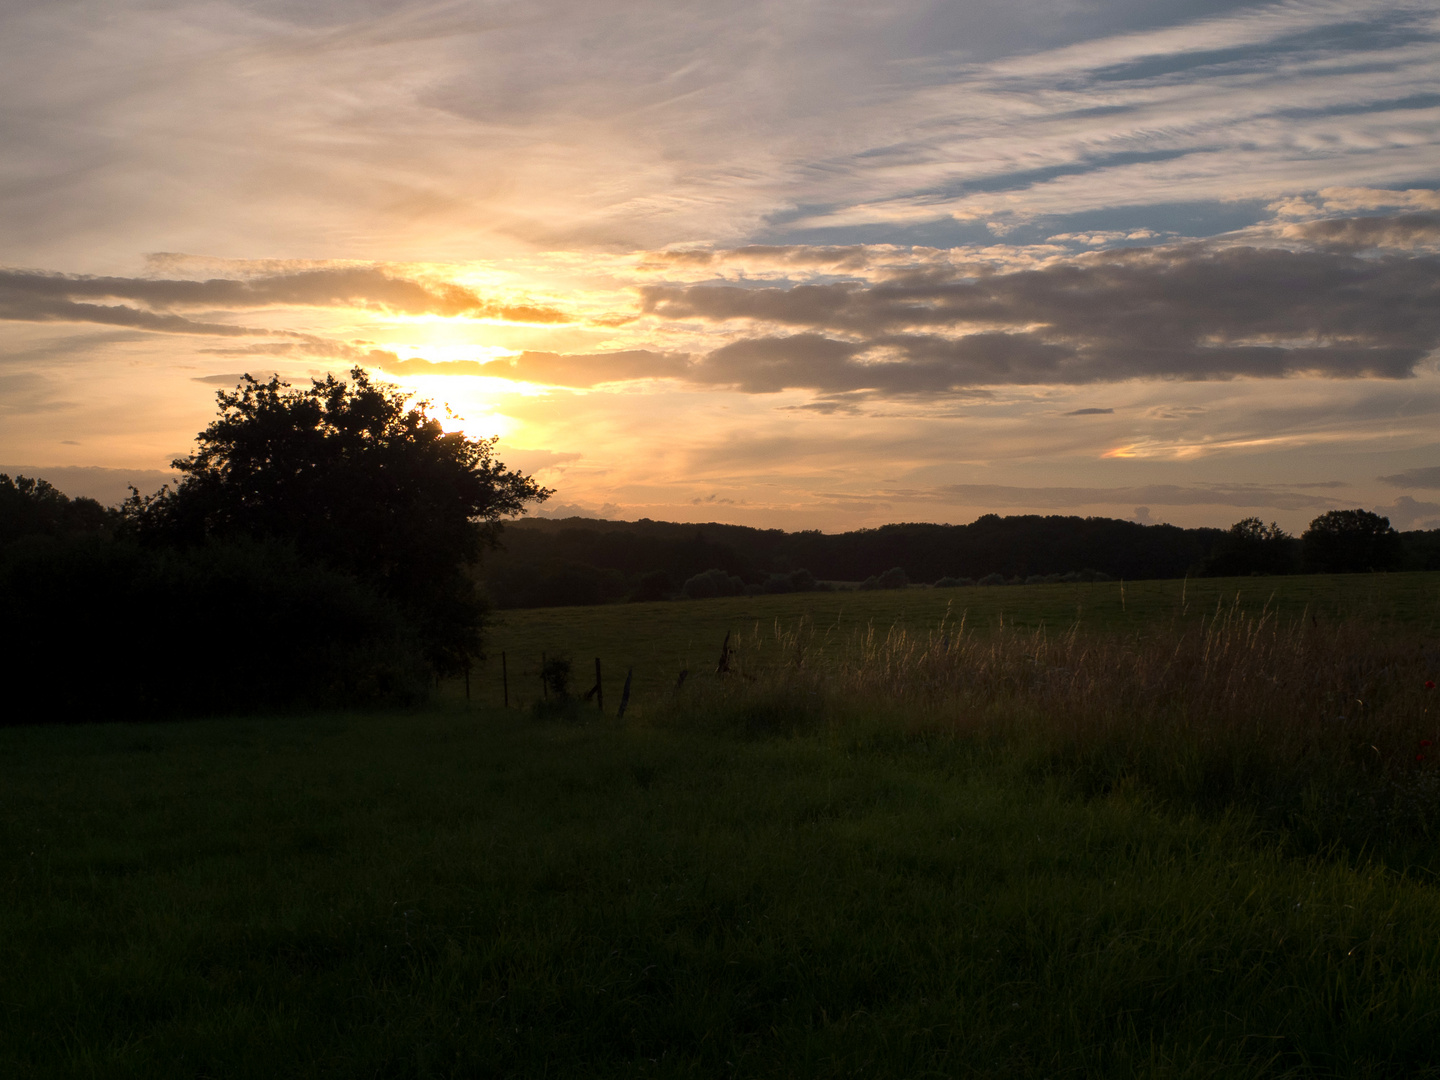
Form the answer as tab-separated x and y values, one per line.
953	582
992	579
99	630
656	585
894	578
778	583
712	583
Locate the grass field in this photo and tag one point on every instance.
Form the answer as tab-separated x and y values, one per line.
1169	833
658	640
453	894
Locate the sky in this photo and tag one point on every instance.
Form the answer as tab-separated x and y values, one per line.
787	264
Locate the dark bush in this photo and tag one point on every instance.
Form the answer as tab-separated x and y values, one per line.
953	582
655	585
894	578
712	583
778	583
98	630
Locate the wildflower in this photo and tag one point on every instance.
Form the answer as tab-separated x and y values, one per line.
1419	757
1429	684
1424	742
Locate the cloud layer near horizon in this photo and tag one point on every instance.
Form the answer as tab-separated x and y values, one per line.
1191	311
817	262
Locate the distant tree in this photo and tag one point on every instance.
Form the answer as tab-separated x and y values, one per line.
1347	541
1252	547
711	583
31	507
894	578
656	585
355	478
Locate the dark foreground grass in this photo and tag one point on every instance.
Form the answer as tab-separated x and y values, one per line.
450	894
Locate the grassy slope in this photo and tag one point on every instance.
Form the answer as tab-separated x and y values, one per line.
659	639
449	894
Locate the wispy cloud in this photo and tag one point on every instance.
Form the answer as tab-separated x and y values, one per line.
49	295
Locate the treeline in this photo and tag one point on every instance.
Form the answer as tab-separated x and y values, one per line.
548	562
102	624
319	550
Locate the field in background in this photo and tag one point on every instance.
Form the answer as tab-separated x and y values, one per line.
658	640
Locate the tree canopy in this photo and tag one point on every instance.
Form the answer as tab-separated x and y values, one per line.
354	476
1344	541
30	507
1252	547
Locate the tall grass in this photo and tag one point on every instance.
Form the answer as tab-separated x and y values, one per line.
1324	727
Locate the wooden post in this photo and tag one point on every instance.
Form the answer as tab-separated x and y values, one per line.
624	695
599	690
505	680
723	667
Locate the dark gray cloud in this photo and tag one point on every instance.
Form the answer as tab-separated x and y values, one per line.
1183	312
46	297
1090	412
1407	513
1428	477
1362	233
18	306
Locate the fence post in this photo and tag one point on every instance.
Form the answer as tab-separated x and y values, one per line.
624	695
599	690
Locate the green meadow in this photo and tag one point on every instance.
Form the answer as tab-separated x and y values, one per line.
1027	831
659	640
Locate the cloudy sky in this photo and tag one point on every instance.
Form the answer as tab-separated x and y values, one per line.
795	264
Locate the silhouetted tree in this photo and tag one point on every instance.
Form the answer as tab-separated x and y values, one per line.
713	582
1344	541
31	507
1252	547
656	585
357	479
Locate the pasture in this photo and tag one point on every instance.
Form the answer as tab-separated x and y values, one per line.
1155	840
659	640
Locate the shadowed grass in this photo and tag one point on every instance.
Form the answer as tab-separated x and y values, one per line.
450	894
1325	728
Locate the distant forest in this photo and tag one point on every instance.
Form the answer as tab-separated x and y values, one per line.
549	562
